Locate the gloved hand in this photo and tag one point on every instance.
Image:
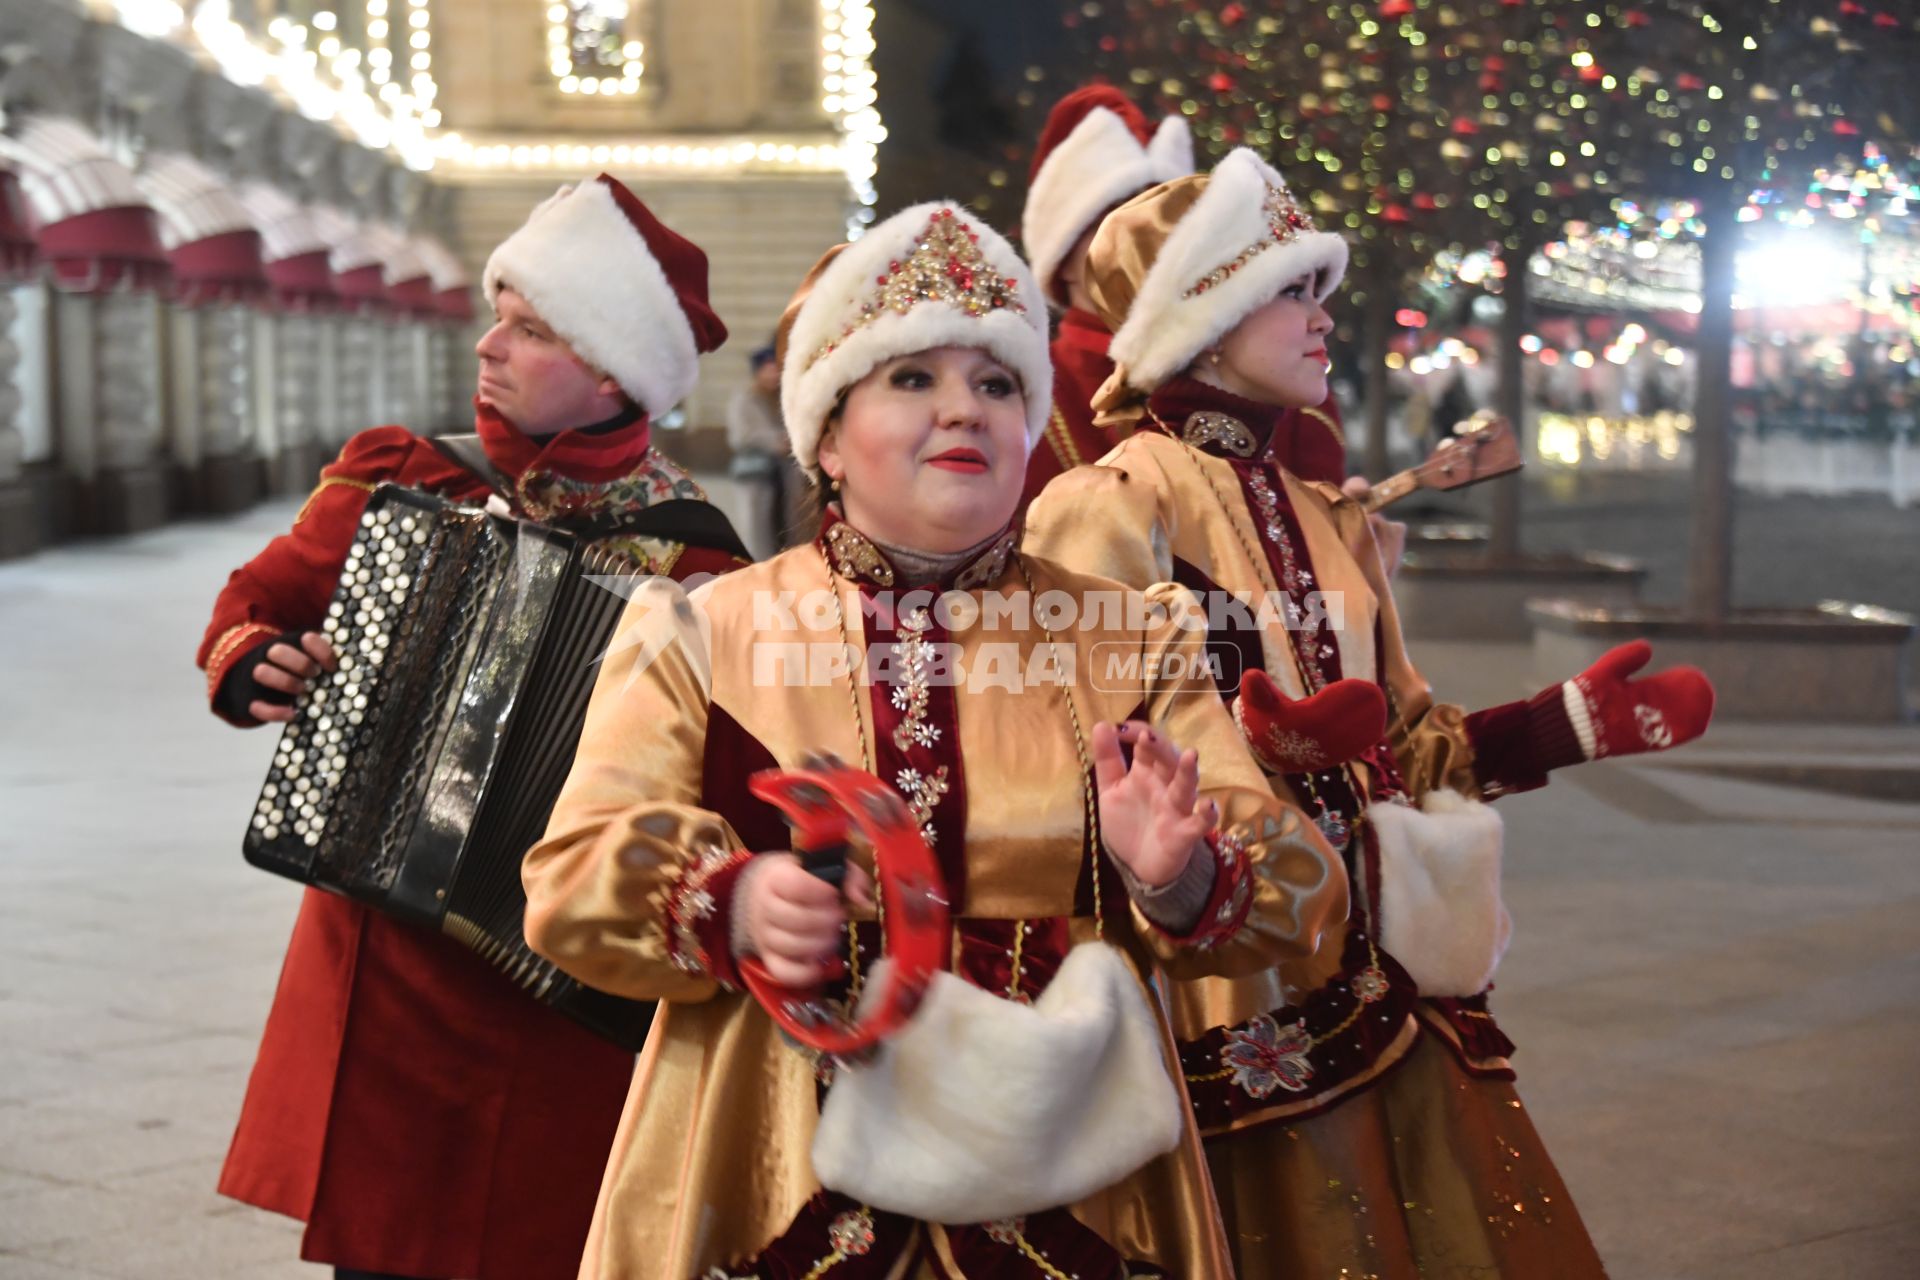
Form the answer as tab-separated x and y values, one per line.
1307	735
1612	715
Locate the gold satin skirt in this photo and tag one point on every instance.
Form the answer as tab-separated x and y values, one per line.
1431	1174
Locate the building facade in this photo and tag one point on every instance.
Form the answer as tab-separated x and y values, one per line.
236	231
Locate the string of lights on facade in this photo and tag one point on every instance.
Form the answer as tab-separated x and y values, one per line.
370	70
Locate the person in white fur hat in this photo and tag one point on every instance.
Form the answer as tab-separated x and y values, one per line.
1095	152
419	1112
1027	1120
1376	1066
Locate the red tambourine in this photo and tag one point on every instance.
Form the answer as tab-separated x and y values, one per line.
819	800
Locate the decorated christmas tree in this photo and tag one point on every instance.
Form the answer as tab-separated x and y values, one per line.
1746	106
1415	125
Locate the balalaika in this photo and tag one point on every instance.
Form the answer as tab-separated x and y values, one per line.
416	776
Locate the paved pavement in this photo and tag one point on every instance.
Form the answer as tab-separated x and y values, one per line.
1789	549
1715	983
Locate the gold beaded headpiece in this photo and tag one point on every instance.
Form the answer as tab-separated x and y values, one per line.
1173	270
930	276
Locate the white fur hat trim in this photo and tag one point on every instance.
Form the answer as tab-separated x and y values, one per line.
1099	165
1243	241
929	276
587	271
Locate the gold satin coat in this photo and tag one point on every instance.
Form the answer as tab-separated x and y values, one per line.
711	1159
1422	1170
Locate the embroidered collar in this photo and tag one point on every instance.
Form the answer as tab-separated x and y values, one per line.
1212	420
585	475
854	555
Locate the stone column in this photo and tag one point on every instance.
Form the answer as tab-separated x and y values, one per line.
300	374
361	401
329	344
403	367
441	342
19	526
230	463
111	416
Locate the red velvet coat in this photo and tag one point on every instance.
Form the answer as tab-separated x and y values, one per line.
1307	442
1080	365
421	1114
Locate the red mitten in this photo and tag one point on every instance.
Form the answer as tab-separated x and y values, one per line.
1328	729
1615	716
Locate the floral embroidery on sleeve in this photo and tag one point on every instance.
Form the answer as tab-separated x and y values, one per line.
698	905
1232	896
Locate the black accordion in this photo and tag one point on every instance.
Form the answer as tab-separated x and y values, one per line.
416	776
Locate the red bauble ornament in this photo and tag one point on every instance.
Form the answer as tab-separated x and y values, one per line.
1396	213
1690	83
1233	15
1383	102
1848	9
1637	17
1220	82
1465	127
1395	8
1425	203
1591	73
1886	20
1109	43
1846	128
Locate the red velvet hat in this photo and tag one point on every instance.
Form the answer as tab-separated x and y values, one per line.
1096	151
626	291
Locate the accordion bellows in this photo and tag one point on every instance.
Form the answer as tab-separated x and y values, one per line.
417	775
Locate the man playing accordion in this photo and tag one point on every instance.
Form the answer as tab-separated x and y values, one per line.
423	1117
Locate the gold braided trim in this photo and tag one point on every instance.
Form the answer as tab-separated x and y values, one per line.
1435	1021
1340	437
1353	1016
1061	438
1401	1044
840	1255
825	1265
328	482
229	644
1038	1259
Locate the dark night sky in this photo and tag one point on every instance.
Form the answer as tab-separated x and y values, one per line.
951	74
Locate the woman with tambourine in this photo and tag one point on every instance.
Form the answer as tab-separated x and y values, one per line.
1062	805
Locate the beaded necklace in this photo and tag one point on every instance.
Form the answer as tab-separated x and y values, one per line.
1088	794
1332	823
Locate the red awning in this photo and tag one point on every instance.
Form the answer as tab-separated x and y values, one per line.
18	253
303	282
455	304
412	297
219	270
106	249
362	287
